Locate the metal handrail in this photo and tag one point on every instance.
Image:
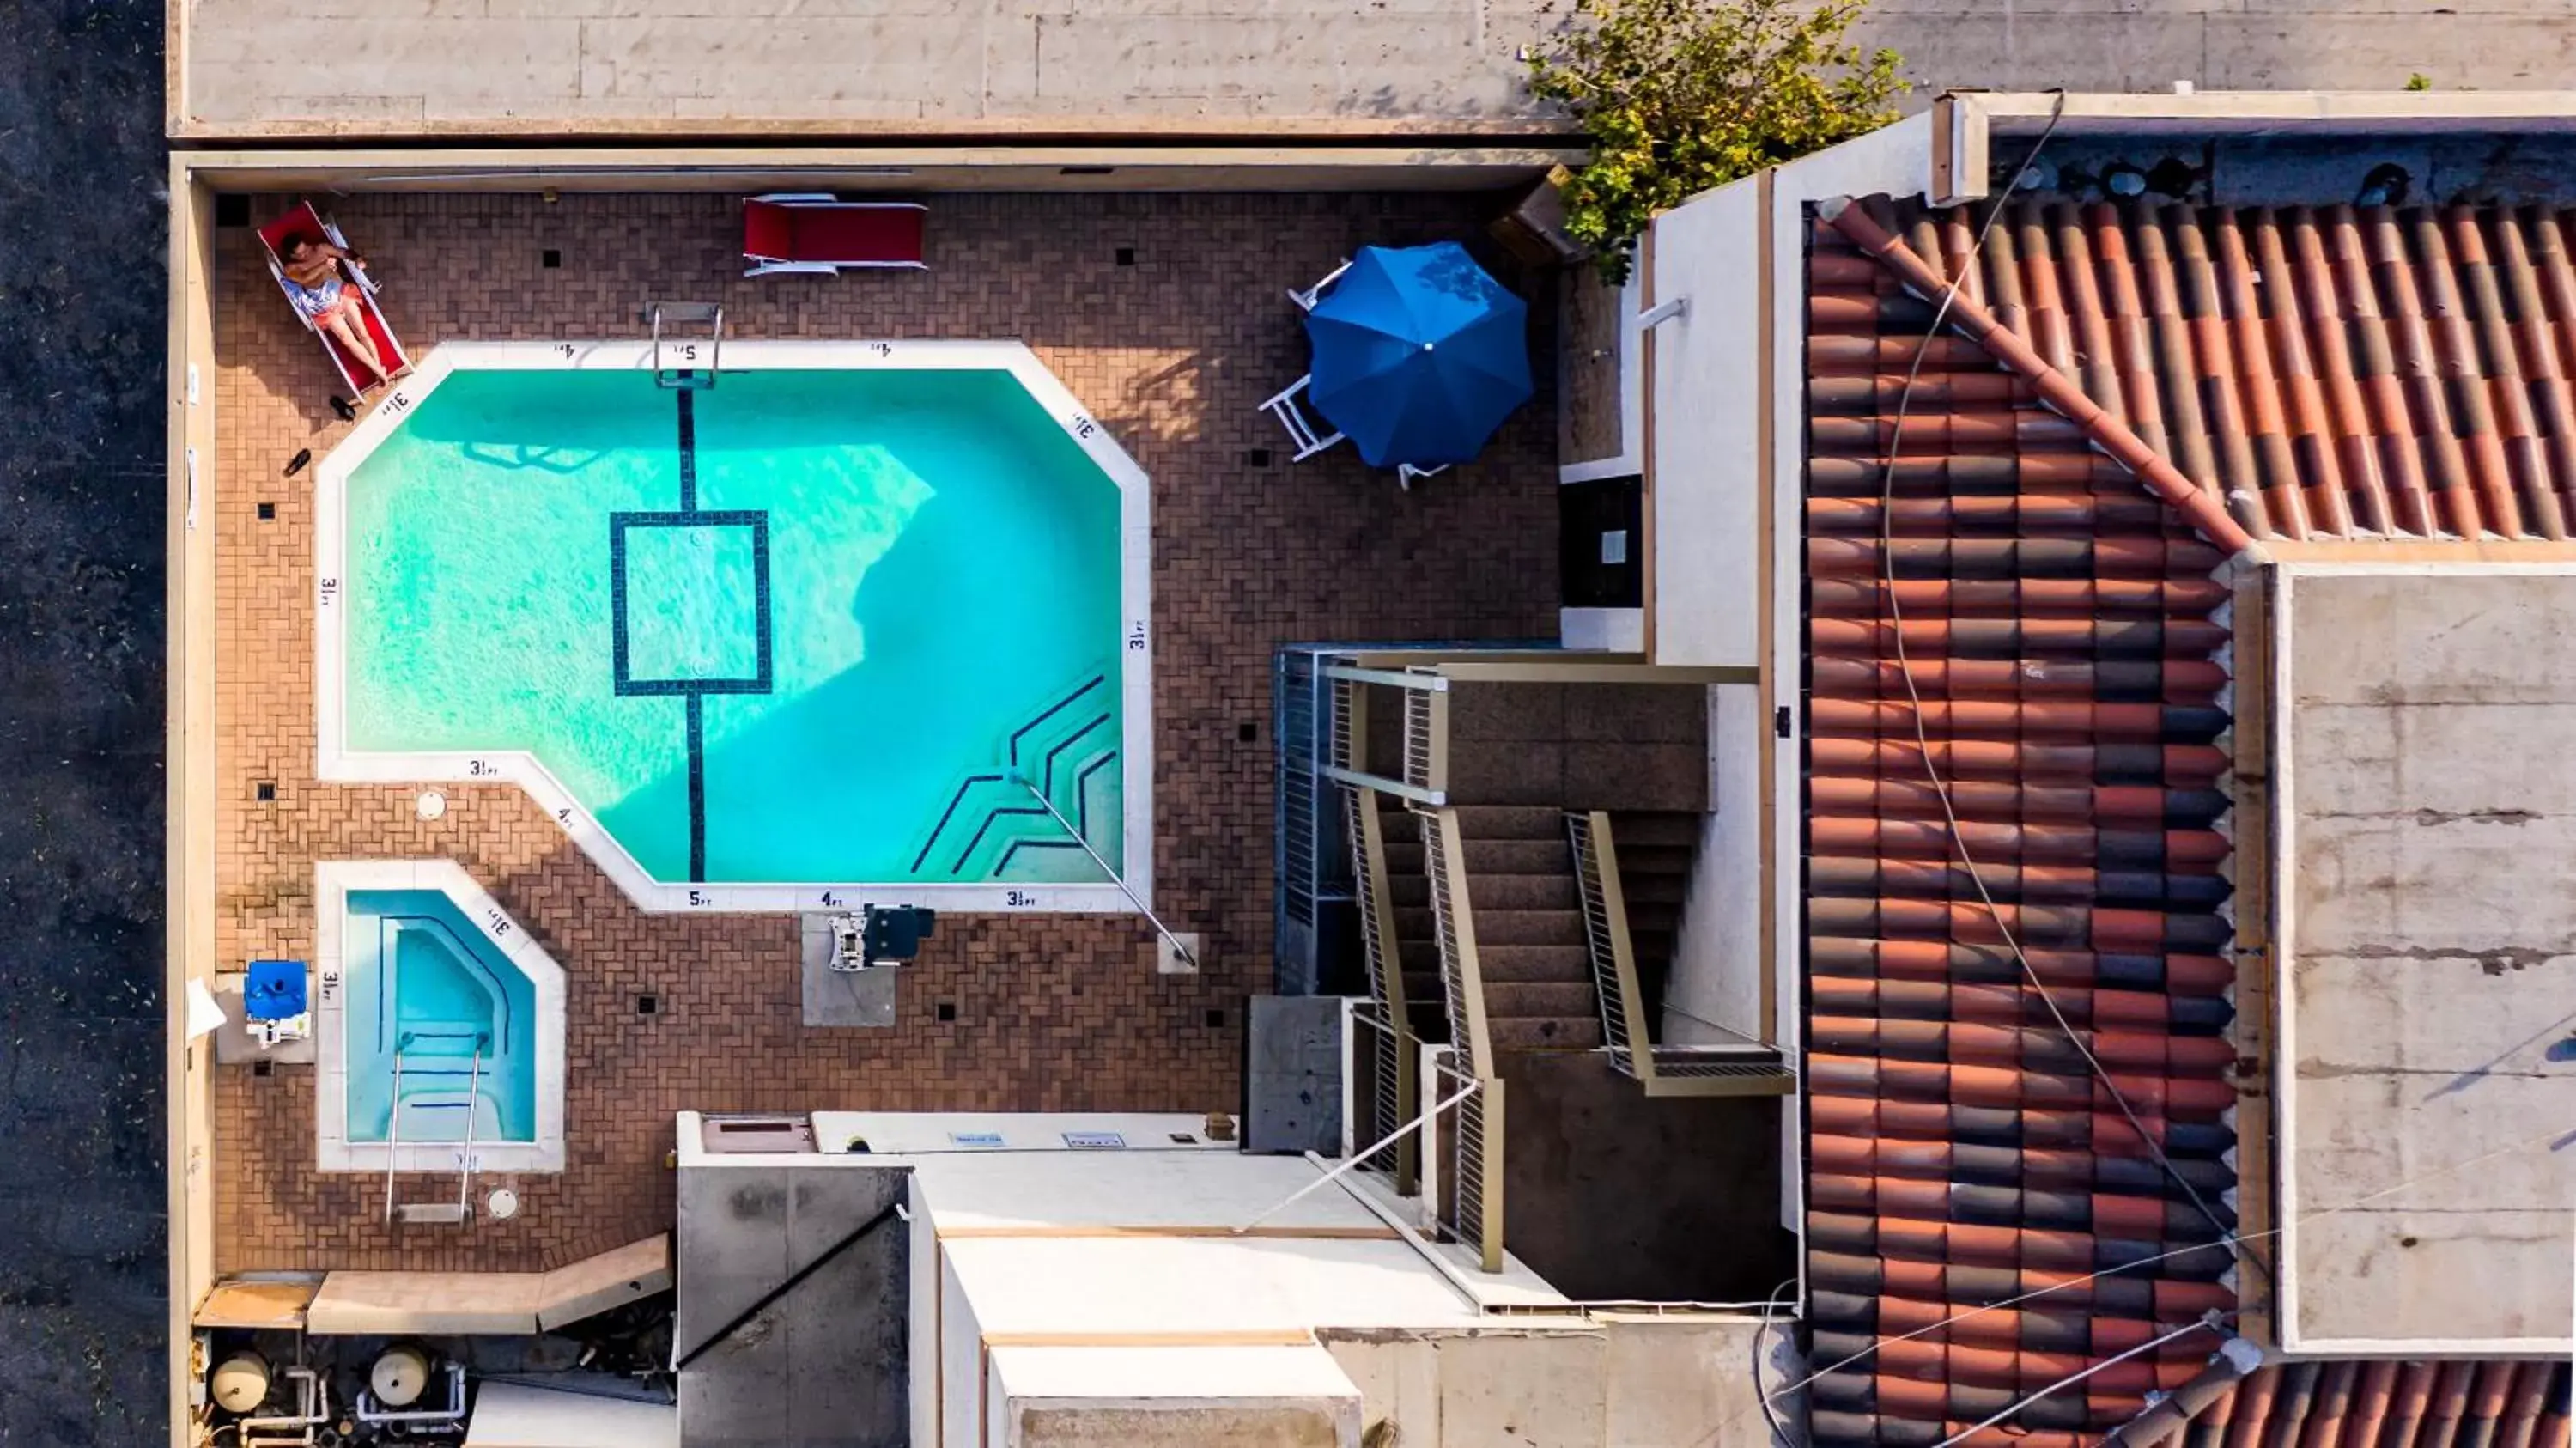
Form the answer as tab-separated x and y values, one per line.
393	1136
465	1162
1605	933
1423	680
1394	1059
1474	1214
1453	924
1478	1161
1426	741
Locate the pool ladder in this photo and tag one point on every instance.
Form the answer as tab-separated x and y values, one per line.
455	1213
693	362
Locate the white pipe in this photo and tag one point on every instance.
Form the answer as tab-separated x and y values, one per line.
313	1400
1400	1133
1424	1249
452	1414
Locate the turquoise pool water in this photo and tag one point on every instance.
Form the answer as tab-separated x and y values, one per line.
793	628
421	981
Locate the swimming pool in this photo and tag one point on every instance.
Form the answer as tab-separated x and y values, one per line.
855	619
433	1003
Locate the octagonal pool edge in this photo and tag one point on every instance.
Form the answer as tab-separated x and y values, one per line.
1131	677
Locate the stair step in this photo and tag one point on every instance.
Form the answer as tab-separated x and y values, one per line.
1408	891
1655	828
1565	1033
1510	822
1520	857
1535	999
1641	862
1520	892
1528	927
1534	962
442	1213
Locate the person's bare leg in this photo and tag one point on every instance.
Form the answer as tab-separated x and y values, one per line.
360	345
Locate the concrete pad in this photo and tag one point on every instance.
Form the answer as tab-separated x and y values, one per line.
613	1278
443	1304
264	1305
489	1303
2429	947
841	998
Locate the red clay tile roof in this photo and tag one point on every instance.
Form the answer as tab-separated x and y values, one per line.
2054	527
2381	1404
2310	372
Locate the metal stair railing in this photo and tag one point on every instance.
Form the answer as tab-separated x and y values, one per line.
1392	1052
1478	1160
1749	1069
1605	936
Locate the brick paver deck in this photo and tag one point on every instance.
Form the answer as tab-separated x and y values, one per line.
1173	352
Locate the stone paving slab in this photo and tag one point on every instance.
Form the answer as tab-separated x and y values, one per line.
1174	352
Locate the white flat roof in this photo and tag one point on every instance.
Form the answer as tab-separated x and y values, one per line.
1200	1286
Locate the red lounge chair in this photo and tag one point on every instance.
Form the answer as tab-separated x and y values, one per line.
305	222
815	232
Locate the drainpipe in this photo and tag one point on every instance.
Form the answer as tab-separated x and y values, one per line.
453	1415
2166	1414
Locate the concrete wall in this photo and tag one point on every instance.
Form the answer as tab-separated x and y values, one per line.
1611	1194
414	67
1631	1382
825	1364
2428	1033
1718	975
1473	1390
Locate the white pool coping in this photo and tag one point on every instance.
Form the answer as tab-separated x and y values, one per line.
332	882
1136	775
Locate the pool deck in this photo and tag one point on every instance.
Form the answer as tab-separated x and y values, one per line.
1066	1013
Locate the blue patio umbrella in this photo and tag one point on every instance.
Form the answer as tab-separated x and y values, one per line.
1419	355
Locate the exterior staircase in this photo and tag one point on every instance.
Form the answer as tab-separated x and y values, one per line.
1417	945
1655	853
1529	930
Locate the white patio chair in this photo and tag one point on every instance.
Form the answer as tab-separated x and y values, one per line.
1306	299
1301	430
1405	473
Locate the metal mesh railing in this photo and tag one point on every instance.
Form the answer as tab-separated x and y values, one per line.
1385	1099
1600	937
1468	1198
1384	968
1454	934
1426	726
1345	746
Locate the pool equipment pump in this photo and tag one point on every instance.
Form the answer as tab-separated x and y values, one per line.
880	936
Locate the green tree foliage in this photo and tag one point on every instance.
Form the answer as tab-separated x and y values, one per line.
1683	95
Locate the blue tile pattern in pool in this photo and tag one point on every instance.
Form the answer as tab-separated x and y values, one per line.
803	626
422	982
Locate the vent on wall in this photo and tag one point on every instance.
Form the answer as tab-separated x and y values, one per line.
737	1135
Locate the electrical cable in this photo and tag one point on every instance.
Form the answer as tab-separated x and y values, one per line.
2561	1133
1779	1436
2071	1379
1914	696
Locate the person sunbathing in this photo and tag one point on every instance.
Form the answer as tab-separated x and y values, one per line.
314	284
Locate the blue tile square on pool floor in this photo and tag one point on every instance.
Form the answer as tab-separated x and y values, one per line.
689	596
